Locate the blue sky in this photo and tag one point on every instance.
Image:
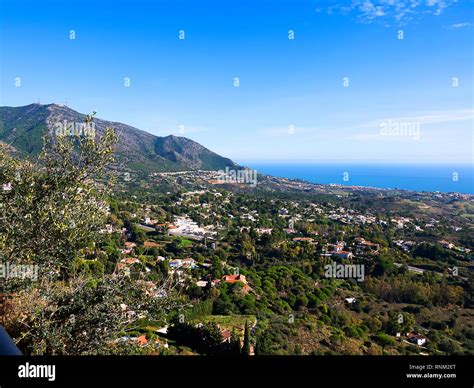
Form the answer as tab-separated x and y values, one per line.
291	105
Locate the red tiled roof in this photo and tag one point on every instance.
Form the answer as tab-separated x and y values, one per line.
235	278
226	334
142	340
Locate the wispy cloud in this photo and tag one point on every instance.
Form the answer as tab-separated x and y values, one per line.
365	130
373	130
438	117
390	11
461	25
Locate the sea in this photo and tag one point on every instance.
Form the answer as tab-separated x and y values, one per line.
431	178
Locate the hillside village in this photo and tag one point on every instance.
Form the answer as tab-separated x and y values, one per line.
259	260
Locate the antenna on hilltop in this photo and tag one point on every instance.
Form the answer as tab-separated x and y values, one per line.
66	102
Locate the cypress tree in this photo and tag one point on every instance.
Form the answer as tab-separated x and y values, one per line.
246	347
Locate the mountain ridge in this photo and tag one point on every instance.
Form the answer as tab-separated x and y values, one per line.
22	128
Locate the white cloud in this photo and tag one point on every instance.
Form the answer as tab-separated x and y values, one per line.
365	130
371	130
400	11
461	25
437	117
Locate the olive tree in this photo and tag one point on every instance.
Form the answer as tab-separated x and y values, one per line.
51	210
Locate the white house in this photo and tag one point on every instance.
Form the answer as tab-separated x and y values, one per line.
416	339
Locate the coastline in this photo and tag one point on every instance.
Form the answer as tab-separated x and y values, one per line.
419	178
